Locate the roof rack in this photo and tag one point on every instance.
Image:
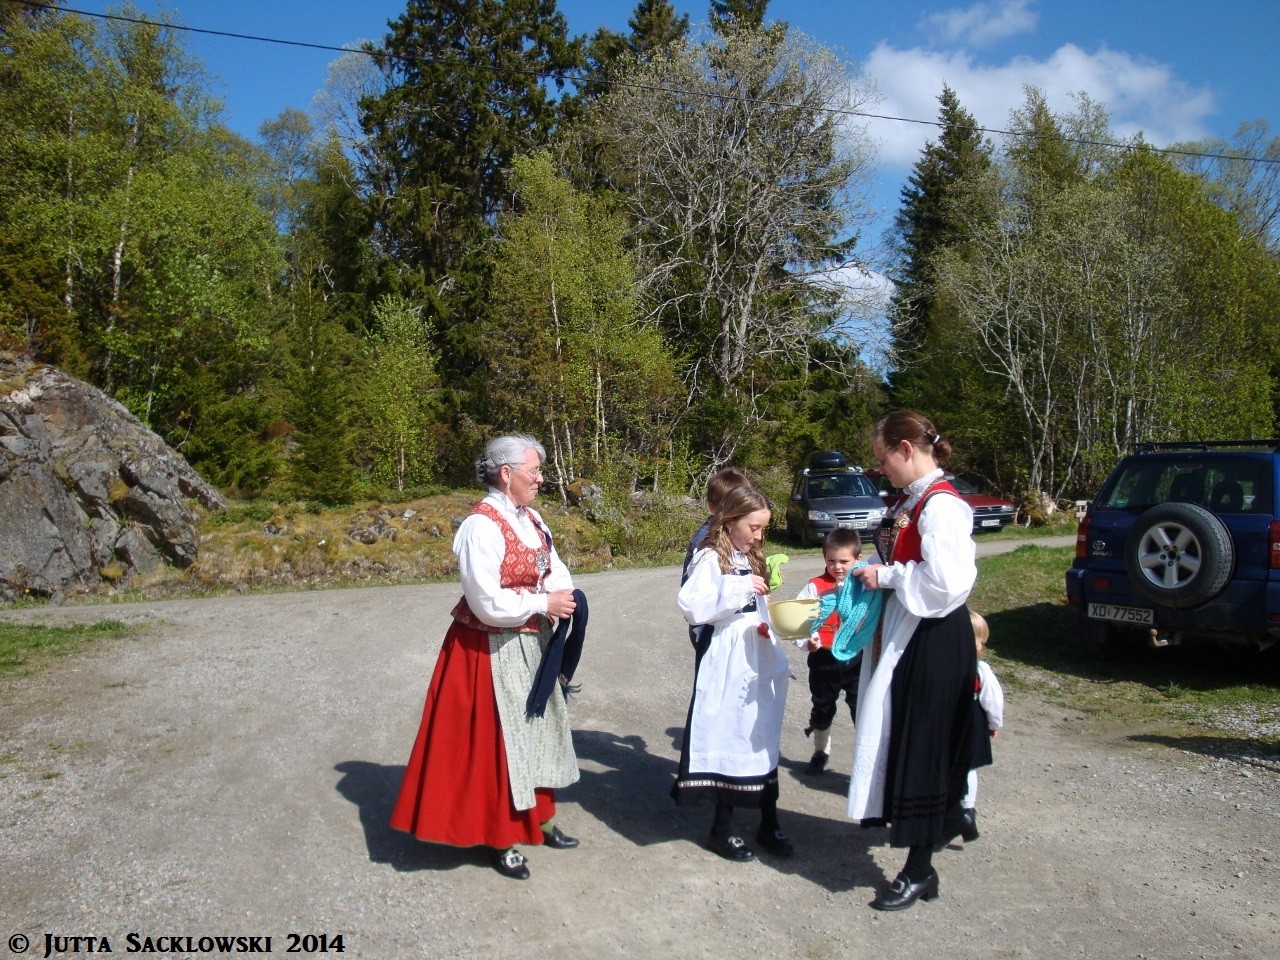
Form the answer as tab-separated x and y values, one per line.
1206	445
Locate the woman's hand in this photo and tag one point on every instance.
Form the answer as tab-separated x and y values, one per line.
759	586
814	645
869	575
560	604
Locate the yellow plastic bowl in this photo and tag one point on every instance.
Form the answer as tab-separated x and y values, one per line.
793	619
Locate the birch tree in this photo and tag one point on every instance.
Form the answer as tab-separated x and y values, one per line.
746	185
569	355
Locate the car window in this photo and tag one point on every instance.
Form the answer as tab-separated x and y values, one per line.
839	485
1222	485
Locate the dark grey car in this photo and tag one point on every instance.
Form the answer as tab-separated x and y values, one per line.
822	500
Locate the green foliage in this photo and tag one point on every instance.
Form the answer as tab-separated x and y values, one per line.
935	351
124	206
744	190
467	89
568	356
397	396
1108	302
1236	179
321	464
656	29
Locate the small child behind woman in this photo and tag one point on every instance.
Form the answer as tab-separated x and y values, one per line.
988	705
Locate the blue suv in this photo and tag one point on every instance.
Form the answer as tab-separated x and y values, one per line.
1183	541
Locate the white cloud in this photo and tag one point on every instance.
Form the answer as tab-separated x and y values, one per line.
982	23
1138	93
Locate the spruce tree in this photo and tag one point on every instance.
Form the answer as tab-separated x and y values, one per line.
468	88
929	221
320	466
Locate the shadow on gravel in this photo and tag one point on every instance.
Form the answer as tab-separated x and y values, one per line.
829	781
372	788
631	796
1047	636
1244	750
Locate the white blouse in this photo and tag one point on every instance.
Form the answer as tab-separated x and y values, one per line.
939	583
710	596
479	547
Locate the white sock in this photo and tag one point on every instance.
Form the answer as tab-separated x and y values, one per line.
822	741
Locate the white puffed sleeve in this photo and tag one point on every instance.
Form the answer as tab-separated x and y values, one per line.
939	583
709	596
991	697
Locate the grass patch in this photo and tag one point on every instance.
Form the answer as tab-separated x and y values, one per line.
25	648
1061	523
1223	701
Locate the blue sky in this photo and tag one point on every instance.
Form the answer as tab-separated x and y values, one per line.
1174	69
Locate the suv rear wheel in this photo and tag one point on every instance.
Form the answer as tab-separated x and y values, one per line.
1179	555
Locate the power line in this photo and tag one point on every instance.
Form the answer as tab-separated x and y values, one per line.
835	111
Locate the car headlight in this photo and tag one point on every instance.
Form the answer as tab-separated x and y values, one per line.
821	515
1007	508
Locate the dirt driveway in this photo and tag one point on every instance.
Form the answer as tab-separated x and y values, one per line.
229	770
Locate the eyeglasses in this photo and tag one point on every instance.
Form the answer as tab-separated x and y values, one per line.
534	474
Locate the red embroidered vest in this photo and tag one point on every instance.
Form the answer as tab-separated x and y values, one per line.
827	632
899	540
519	569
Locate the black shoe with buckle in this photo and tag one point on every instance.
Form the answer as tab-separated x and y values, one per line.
557	840
817	763
902	893
511	863
731	848
776	842
970	829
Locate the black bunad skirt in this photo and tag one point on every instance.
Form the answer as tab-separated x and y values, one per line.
931	737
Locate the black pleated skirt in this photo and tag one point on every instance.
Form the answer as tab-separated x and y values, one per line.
931	736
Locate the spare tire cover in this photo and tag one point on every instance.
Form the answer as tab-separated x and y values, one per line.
1179	555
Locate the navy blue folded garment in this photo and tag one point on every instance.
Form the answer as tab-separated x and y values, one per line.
561	659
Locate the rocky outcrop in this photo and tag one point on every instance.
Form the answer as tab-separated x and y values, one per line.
87	492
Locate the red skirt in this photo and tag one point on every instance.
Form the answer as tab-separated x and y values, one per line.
456	789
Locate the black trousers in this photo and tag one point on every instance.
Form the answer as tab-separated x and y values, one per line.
828	679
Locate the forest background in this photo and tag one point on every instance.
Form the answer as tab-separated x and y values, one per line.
642	247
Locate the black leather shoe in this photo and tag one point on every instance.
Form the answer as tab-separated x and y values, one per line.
970	829
776	842
557	840
511	863
731	848
902	893
817	763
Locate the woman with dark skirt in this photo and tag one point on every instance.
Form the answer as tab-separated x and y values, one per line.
483	770
914	738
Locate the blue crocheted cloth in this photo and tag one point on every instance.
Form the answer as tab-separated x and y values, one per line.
859	610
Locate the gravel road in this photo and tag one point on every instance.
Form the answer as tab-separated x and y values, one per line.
228	770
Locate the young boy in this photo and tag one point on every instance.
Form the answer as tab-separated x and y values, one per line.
721	482
988	705
829	676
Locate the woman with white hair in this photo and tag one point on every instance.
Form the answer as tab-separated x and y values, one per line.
483	769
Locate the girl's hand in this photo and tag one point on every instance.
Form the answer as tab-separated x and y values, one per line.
993	734
758	586
814	644
869	575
